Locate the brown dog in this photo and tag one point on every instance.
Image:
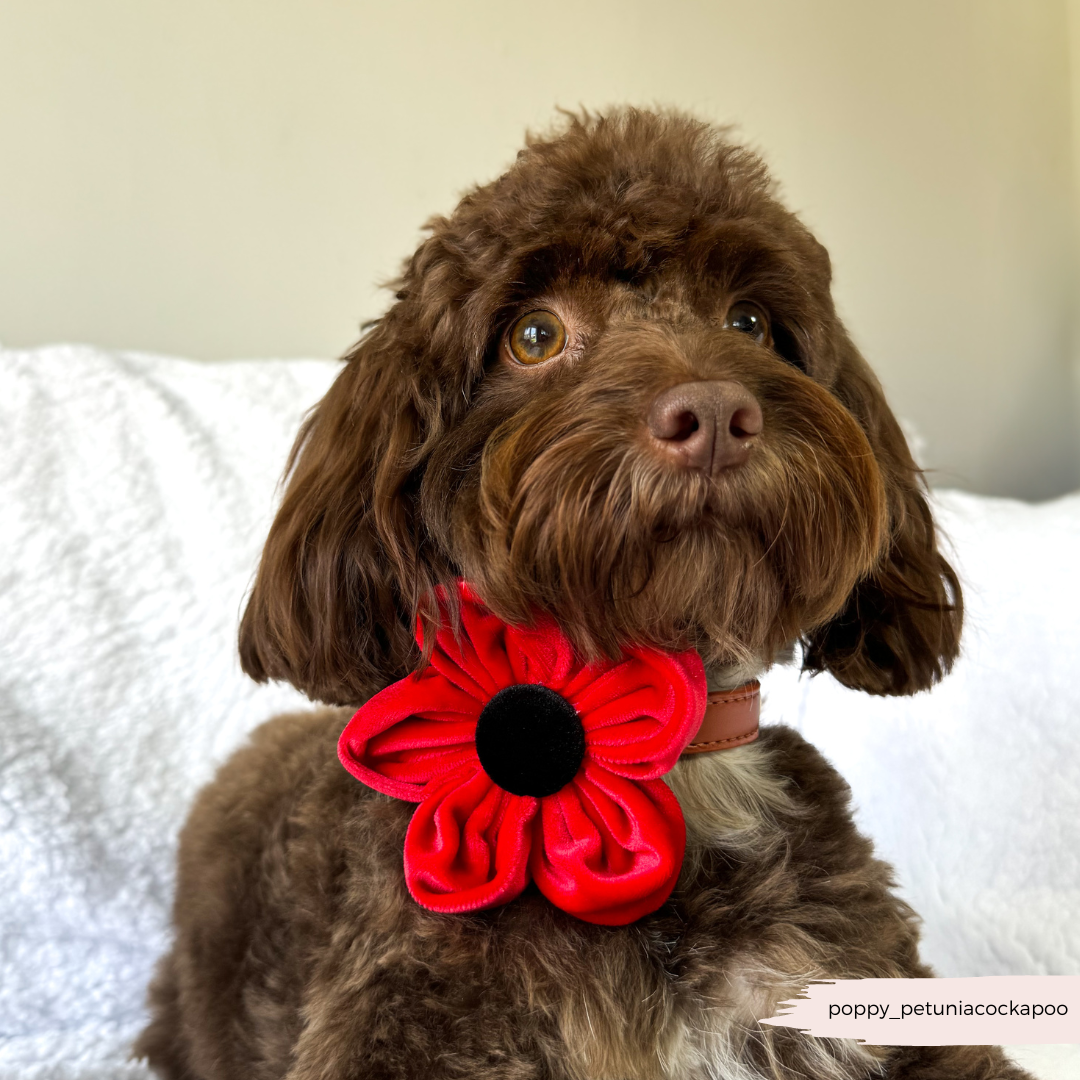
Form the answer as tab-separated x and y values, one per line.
613	389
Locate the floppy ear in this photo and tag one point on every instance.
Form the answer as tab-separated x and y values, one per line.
332	608
900	629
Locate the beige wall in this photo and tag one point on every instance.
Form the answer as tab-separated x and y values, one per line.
231	177
1074	78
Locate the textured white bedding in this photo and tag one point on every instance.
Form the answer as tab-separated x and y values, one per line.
135	492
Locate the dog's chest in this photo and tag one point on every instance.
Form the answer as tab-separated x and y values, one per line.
648	1003
674	996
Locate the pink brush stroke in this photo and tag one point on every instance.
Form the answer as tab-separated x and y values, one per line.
907	1012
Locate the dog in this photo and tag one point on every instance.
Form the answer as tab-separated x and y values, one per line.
612	396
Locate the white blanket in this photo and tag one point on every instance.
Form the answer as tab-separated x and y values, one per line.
135	493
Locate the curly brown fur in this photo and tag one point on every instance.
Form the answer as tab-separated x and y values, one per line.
430	458
298	951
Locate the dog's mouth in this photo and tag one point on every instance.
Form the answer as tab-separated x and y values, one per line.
621	545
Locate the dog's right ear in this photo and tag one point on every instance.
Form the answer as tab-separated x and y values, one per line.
333	606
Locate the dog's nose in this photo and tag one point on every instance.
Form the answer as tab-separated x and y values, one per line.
706	425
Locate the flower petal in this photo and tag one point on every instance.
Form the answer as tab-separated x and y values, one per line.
640	714
606	849
541	654
412	732
484	654
473	655
467	845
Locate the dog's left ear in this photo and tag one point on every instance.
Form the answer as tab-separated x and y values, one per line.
900	629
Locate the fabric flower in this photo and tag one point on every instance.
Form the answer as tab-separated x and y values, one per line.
527	762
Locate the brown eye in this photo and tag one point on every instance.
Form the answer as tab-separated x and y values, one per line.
537	337
748	319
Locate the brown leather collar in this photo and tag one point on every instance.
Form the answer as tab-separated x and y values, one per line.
731	719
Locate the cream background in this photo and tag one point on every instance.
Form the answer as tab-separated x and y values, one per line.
229	177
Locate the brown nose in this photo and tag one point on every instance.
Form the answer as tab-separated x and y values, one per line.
706	425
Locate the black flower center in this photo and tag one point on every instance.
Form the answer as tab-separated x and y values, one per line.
530	740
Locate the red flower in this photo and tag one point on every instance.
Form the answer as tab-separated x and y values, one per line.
527	762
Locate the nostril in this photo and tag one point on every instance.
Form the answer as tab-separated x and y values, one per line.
672	419
746	421
686	423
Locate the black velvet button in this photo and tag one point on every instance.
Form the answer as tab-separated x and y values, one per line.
530	740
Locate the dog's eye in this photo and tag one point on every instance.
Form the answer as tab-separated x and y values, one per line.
537	337
748	319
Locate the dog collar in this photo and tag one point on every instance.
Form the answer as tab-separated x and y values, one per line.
730	720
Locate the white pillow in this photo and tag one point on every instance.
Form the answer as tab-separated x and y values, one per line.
135	493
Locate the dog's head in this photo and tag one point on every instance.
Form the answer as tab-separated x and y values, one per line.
613	388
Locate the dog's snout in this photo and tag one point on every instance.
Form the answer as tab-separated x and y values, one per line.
706	425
